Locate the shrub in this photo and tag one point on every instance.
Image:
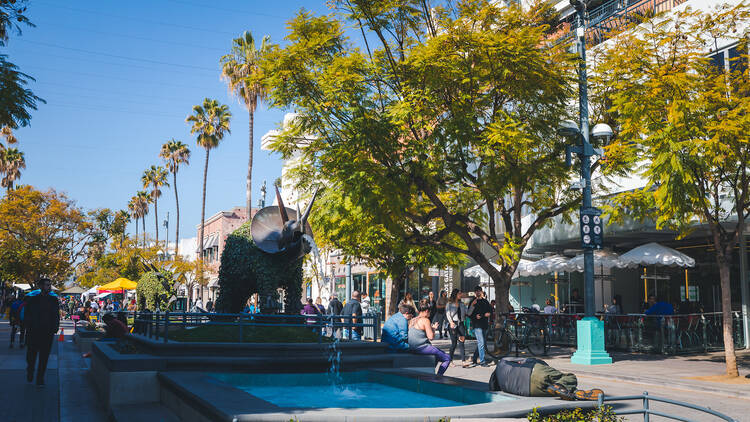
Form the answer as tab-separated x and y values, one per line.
245	269
602	414
154	290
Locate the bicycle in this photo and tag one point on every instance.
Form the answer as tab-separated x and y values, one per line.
527	332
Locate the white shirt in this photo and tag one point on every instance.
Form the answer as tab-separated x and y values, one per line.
549	309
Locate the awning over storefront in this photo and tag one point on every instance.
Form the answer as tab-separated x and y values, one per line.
477	271
656	254
548	265
602	259
211	241
214	282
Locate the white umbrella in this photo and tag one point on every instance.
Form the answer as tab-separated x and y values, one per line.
477	271
602	259
550	264
656	254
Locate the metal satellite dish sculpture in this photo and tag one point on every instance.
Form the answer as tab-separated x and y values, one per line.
277	229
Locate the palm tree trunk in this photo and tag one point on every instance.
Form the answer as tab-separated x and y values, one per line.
177	201
136	232
203	221
156	220
249	189
143	220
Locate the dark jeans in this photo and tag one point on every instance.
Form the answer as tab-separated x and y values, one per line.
441	356
38	345
441	320
455	334
21	331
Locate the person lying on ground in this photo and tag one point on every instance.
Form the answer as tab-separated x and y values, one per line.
533	377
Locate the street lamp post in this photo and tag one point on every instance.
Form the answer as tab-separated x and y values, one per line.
590	330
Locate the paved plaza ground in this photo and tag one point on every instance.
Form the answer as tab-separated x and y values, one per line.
69	394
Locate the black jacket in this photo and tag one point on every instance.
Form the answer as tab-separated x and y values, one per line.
42	314
335	307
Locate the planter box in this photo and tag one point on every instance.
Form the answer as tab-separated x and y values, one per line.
85	338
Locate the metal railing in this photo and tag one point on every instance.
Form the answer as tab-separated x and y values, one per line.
158	324
647	411
614	15
669	335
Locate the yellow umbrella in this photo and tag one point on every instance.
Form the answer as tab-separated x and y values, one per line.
118	286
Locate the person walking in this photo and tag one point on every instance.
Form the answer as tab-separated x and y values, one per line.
14	314
408	300
353	309
480	311
455	312
42	319
421	332
440	317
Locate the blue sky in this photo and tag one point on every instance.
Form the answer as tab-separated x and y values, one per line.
119	79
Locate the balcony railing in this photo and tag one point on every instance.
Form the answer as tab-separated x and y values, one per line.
612	16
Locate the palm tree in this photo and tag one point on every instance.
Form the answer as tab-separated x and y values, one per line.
211	122
11	163
155	177
143	199
236	67
175	153
133	209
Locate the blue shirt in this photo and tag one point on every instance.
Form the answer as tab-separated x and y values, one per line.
396	332
660	308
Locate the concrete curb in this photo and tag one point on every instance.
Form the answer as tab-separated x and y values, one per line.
659	383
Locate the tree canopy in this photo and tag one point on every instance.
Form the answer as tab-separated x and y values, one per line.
43	234
442	123
683	124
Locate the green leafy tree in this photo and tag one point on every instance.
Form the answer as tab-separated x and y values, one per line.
445	122
123	261
360	231
210	122
154	290
688	119
175	153
154	178
240	68
43	234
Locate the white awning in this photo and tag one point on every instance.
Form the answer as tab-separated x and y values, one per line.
211	241
550	264
101	295
477	271
214	282
656	254
22	286
602	259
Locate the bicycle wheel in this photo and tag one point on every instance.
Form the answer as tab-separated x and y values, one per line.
535	341
499	346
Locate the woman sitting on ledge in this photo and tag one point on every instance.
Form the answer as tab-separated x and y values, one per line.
420	334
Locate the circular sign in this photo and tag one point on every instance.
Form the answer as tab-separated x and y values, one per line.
586	229
586	238
597	220
585	219
597	230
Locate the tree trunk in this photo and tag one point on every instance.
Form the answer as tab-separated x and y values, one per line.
156	220
143	220
177	202
249	188
136	232
392	287
203	222
726	315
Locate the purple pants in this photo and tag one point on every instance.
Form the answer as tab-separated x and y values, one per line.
440	355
